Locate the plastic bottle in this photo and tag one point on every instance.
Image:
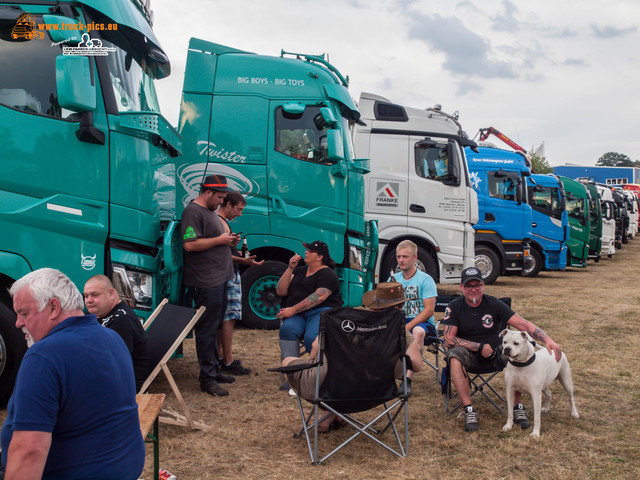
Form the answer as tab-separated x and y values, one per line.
245	249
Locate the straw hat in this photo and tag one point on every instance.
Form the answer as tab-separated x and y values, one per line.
386	294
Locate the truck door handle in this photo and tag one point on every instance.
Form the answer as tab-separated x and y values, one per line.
417	208
488	217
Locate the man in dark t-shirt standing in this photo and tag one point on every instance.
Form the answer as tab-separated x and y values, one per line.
473	322
101	299
207	268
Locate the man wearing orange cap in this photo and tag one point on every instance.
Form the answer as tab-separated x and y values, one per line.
207	268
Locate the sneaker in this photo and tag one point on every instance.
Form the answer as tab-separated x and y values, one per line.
214	390
401	389
520	416
470	419
225	378
235	369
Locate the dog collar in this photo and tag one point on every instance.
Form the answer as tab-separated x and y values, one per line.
523	364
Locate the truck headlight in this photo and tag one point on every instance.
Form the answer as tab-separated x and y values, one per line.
134	287
355	258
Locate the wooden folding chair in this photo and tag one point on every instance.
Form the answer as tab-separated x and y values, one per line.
166	328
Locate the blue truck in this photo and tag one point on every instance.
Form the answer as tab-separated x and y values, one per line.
503	231
550	227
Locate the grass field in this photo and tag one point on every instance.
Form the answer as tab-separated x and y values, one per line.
591	313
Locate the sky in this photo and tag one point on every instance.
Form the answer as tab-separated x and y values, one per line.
562	72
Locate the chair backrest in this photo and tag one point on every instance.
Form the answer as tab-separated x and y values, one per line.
362	349
165	332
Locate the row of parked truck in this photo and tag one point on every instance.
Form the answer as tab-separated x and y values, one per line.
94	179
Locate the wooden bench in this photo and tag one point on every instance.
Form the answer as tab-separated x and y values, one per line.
149	408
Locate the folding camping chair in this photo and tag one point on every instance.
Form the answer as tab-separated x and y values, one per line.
359	350
166	328
435	343
479	380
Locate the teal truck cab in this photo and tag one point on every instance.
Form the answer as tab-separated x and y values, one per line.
503	231
550	227
278	129
579	222
87	161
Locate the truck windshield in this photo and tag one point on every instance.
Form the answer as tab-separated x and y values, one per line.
132	87
575	208
28	72
546	200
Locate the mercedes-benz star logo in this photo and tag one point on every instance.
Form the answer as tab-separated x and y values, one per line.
348	326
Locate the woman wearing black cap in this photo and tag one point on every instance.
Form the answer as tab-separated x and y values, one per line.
310	290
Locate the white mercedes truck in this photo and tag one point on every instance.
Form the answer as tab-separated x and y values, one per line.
418	188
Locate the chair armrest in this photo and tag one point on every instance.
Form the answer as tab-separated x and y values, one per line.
294	368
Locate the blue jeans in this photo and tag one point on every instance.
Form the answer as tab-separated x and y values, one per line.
214	299
303	326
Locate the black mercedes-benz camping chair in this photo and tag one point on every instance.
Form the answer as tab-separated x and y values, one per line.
360	350
480	382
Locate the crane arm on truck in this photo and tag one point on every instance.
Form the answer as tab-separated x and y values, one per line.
485	132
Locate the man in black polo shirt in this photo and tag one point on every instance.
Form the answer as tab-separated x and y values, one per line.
101	299
207	268
473	322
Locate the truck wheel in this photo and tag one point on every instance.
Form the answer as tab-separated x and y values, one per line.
425	263
488	263
260	303
12	348
535	266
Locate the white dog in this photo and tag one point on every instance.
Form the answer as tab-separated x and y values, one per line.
532	371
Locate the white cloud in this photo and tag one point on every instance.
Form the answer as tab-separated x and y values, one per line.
561	72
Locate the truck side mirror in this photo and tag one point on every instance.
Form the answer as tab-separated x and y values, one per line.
328	116
454	166
74	85
519	190
335	147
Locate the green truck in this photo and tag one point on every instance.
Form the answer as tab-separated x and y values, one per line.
595	223
87	161
579	222
278	129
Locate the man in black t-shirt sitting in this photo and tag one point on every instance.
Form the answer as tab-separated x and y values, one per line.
472	325
101	299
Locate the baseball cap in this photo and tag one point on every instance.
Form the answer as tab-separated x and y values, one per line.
217	183
471	273
318	247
